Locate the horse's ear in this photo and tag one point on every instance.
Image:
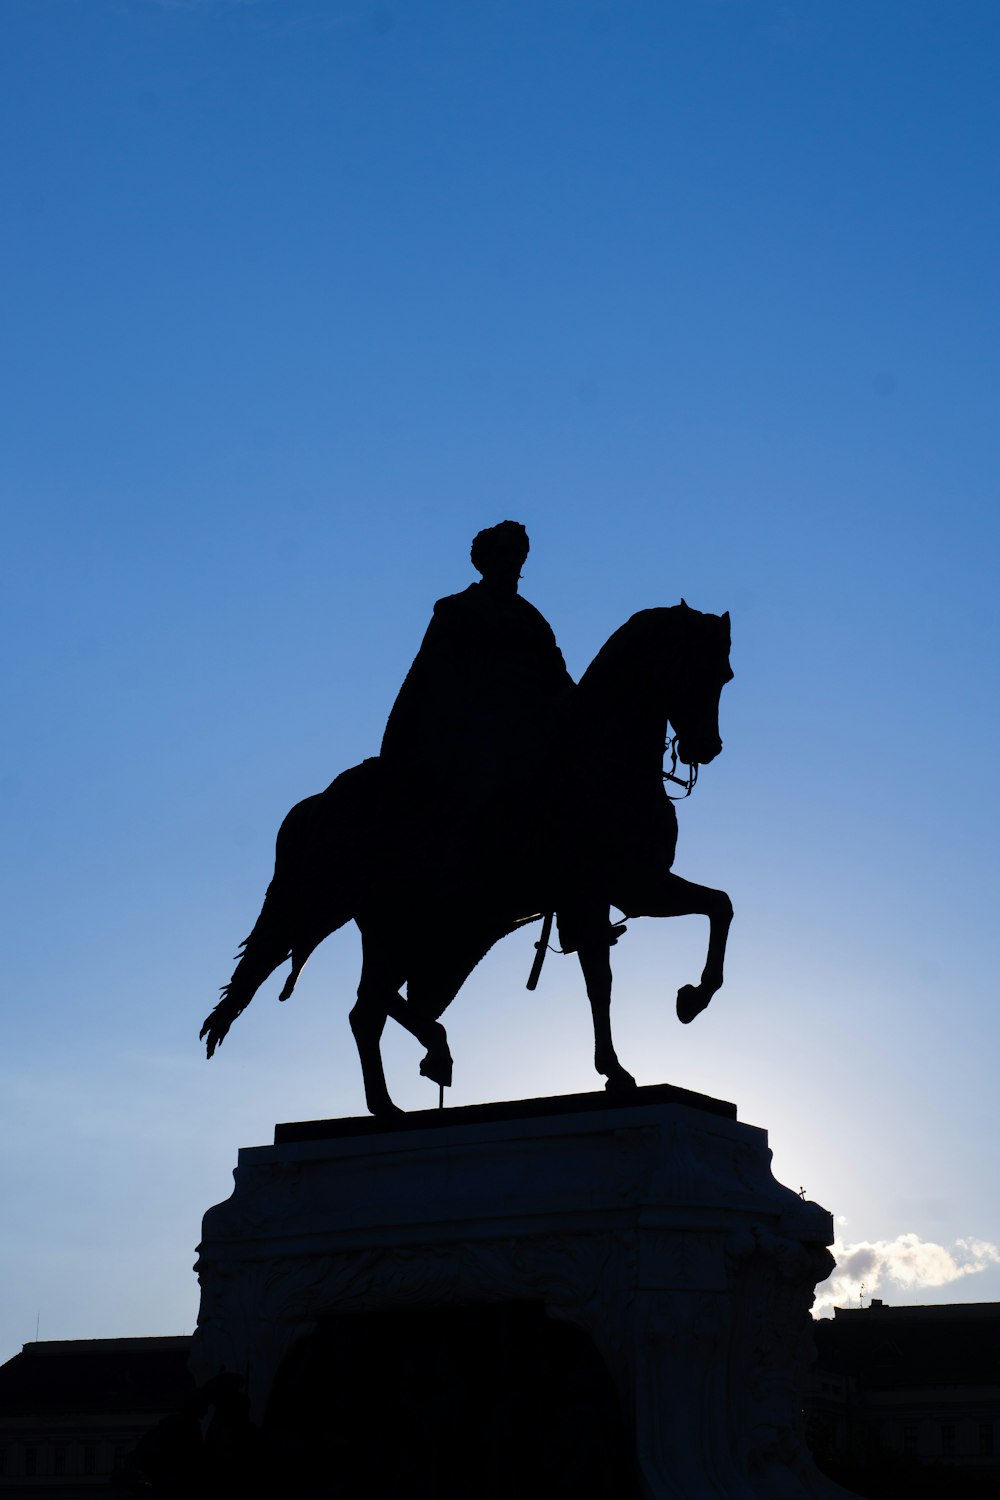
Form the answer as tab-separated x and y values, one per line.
685	604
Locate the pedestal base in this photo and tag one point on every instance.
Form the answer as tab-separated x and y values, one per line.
656	1230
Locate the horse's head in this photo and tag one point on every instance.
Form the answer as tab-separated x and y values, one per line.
662	665
699	670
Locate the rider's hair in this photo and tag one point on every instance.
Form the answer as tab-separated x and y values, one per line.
506	535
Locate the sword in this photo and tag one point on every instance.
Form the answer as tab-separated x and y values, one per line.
541	948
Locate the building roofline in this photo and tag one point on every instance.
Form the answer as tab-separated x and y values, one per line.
43	1347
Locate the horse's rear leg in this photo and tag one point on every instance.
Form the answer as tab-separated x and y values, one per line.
676	897
435	977
368	1018
378	998
437	1062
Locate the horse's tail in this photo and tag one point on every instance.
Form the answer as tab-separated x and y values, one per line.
268	945
303	904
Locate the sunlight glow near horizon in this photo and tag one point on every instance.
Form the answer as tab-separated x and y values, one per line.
300	296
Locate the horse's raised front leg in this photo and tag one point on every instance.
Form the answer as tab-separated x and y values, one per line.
595	961
676	897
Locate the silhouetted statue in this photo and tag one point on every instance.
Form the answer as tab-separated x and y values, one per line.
475	712
506	792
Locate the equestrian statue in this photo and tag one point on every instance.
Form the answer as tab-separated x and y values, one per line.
503	793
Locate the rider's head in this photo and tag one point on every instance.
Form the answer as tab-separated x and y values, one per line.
499	552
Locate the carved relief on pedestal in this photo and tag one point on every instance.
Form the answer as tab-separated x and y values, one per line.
774	1282
254	1310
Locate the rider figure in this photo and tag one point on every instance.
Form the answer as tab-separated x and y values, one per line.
474	711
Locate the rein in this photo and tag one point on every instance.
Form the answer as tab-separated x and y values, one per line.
688	782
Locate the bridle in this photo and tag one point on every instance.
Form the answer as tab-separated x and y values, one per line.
687	782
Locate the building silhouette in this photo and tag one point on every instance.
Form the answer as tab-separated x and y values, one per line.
901	1400
898	1389
71	1411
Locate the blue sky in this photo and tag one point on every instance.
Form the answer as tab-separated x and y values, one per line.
297	297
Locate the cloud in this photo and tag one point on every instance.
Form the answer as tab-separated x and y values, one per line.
906	1262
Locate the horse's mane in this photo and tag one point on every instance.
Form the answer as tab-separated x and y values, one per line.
626	651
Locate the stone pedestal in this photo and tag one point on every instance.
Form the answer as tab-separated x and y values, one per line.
655	1228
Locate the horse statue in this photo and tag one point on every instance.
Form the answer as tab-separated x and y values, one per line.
592	830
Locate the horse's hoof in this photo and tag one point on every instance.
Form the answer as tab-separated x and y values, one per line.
386	1110
621	1085
691	1001
437	1066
